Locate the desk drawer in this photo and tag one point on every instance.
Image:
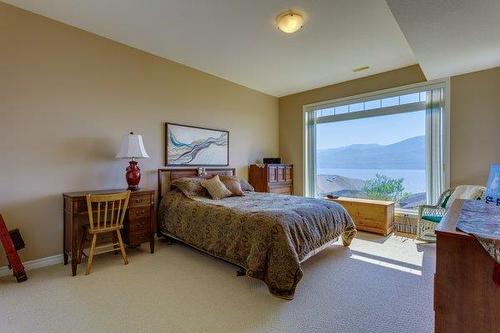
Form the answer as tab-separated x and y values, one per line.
140	200
139	224
79	206
137	237
139	212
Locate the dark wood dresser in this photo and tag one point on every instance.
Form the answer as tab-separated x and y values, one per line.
465	297
138	226
272	178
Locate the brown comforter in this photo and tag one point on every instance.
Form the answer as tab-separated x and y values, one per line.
267	234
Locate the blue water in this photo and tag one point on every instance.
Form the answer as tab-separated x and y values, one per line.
414	180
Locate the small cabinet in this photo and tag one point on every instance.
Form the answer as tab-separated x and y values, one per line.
272	178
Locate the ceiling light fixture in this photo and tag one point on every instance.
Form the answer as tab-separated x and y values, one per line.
289	21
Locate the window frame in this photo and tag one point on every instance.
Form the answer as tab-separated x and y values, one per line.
309	150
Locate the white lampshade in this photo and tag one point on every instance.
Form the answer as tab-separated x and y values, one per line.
132	147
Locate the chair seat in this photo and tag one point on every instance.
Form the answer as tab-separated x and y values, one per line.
431	218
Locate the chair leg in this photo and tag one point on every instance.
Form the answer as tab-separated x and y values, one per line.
122	248
425	232
91	254
82	245
116	246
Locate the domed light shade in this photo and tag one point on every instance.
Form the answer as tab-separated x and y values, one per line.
289	22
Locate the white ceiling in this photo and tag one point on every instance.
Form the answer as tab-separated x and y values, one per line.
238	40
451	37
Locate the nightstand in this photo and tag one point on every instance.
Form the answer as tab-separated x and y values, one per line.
139	225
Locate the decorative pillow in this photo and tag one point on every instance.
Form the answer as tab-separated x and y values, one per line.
216	188
191	187
245	186
466	192
233	184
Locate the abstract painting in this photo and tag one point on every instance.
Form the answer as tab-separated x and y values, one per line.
197	146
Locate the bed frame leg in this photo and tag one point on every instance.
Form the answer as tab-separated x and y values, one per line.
241	272
167	240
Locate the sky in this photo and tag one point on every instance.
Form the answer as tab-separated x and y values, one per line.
381	130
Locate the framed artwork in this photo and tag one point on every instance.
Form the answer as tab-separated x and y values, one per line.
493	187
196	146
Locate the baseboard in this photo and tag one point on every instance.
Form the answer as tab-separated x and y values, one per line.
41	262
37	263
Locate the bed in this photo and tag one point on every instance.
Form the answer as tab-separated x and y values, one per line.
267	235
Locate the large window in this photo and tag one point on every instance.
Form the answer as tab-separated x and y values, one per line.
387	147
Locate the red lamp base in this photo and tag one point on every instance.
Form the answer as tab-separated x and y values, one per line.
133	188
133	176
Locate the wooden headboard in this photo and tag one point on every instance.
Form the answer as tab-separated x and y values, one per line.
166	175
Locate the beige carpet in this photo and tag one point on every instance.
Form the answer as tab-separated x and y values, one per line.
377	285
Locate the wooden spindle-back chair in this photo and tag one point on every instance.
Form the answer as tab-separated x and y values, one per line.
106	214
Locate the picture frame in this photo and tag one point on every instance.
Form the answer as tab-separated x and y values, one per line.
187	145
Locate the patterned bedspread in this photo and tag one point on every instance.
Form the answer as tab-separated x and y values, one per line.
267	234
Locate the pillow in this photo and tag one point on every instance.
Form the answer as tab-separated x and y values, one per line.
466	192
216	188
245	186
191	187
233	184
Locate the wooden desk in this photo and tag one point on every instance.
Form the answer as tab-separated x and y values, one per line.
375	216
138	224
465	297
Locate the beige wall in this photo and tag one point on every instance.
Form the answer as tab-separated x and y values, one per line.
475	121
67	97
290	115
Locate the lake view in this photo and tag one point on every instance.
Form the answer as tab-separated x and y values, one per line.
414	179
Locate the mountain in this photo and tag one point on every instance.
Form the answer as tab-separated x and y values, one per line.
406	154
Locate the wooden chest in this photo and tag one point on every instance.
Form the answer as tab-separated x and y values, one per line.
272	178
370	215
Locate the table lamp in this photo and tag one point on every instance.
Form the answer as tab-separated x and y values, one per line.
132	148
